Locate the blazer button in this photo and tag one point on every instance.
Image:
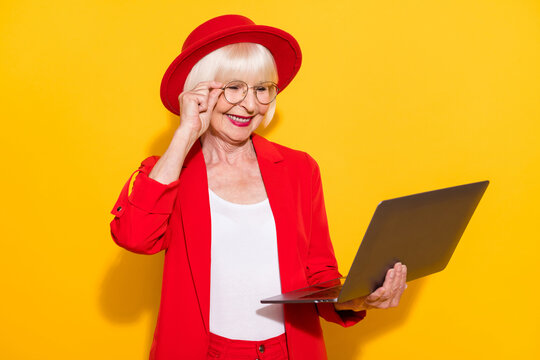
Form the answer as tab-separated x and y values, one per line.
261	349
119	208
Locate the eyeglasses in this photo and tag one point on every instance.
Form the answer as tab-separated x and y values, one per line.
235	91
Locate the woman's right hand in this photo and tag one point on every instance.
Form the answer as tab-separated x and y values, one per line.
197	105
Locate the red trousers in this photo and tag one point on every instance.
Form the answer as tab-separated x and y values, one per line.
226	349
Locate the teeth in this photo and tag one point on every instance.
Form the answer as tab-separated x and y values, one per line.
239	119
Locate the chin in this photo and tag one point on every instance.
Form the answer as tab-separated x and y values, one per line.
241	133
240	137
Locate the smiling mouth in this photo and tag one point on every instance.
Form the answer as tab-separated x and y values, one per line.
240	120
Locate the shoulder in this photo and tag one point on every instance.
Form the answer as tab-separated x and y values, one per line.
297	157
292	158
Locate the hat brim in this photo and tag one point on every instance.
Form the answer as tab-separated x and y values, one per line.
283	47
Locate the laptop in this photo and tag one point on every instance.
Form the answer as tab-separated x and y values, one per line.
420	231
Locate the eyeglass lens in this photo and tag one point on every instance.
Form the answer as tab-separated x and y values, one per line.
236	91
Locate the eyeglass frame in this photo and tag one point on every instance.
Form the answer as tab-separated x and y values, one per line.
250	87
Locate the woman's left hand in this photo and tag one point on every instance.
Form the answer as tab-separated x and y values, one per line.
387	296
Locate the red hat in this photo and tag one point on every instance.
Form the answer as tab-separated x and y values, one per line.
225	30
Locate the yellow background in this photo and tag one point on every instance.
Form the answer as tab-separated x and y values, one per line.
393	98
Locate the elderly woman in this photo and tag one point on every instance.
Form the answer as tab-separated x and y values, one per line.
240	218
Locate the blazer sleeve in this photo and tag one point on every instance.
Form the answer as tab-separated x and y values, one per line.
322	264
141	217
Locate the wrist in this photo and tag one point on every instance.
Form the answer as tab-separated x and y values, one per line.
184	138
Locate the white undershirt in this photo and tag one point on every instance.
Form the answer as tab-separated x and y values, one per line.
244	270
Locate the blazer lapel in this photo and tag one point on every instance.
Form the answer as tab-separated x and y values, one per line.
195	208
284	204
278	186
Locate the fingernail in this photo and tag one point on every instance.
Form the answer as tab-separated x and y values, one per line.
391	274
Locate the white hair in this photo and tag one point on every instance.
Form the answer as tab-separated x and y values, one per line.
240	58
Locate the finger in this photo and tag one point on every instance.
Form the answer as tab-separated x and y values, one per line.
190	108
396	283
192	96
377	298
394	302
397	297
210	101
208	85
203	105
387	290
200	99
374	296
213	98
195	93
189	105
404	276
389	284
382	303
401	281
400	286
203	88
389	278
216	85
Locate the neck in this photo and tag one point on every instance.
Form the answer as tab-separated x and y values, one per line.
216	149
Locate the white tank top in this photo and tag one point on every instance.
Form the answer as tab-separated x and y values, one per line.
244	270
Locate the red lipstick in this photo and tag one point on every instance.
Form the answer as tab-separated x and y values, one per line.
238	120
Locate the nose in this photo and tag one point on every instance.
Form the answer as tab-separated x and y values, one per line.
250	102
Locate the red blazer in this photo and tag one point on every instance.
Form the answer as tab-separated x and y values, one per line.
176	218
